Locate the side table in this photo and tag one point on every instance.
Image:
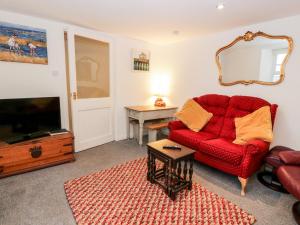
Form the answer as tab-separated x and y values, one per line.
174	176
144	113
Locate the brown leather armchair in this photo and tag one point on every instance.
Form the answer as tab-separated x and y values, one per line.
289	176
268	176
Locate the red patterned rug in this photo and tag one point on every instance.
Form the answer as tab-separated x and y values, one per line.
122	195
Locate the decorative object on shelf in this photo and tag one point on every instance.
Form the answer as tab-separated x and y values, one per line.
141	60
24	44
254	58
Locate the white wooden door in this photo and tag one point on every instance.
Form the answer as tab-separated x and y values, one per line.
91	89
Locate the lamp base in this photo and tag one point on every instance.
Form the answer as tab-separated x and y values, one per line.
159	102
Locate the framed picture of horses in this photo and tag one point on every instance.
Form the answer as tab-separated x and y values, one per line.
24	44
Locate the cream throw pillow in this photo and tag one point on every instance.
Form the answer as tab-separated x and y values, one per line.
257	125
193	115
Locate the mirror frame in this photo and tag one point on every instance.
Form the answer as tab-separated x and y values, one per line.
249	36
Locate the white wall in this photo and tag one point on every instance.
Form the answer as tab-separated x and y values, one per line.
133	88
33	80
195	73
190	63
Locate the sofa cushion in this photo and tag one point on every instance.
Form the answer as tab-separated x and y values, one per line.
240	106
256	125
222	149
193	115
217	105
190	138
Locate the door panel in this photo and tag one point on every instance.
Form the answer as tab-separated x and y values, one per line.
92	102
92	68
98	129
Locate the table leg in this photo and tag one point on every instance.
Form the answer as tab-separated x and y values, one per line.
170	178
141	129
153	168
149	166
190	174
128	125
167	177
178	171
185	170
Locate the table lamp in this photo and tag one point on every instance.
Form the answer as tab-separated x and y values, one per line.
160	89
159	102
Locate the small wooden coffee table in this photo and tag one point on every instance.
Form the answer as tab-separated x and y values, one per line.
173	177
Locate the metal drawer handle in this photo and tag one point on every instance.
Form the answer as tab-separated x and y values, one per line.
36	151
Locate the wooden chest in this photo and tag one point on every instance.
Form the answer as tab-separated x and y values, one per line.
35	154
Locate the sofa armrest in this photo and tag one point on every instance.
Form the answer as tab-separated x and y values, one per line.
290	157
255	151
176	125
256	147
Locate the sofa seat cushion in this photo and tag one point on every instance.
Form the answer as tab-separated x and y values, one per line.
223	149
190	138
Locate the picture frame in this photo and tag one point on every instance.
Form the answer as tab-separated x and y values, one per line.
19	43
141	60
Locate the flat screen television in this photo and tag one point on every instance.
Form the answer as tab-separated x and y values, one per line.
26	118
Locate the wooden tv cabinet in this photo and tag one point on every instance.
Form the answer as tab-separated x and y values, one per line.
35	154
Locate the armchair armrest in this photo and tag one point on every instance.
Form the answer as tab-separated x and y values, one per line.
176	125
290	157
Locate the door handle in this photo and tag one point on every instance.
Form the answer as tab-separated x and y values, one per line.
74	95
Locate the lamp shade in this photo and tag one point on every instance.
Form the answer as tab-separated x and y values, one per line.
160	85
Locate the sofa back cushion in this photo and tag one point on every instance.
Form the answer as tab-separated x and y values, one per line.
240	106
217	105
193	115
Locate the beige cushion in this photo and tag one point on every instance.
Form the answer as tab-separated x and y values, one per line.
193	115
257	125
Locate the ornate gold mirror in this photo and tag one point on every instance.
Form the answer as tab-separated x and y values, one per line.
254	58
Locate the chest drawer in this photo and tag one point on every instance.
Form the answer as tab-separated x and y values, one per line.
35	151
133	114
160	114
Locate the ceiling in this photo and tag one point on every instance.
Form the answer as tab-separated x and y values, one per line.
156	20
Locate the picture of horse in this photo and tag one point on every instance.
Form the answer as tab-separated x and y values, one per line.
23	44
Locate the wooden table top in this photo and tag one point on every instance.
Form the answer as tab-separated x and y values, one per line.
174	154
146	108
49	138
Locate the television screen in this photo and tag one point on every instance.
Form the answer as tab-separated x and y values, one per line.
19	117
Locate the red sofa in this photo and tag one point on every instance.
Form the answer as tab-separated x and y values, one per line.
214	142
